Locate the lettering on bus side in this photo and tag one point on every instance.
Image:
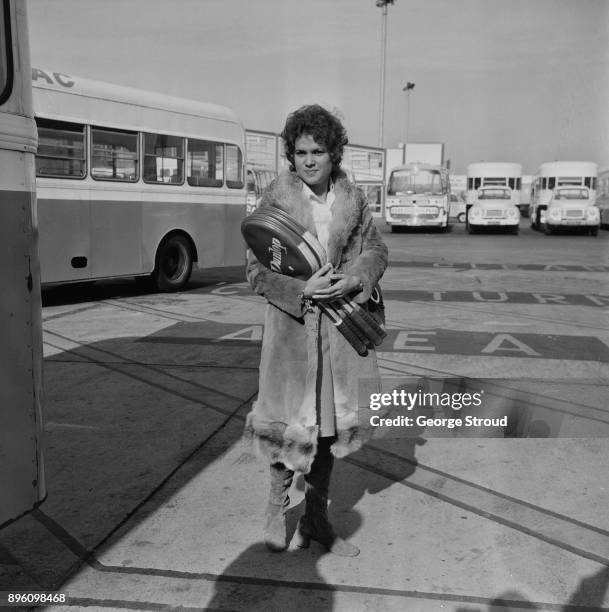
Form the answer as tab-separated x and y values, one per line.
56	77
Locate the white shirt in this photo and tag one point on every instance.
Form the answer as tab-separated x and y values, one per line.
322	212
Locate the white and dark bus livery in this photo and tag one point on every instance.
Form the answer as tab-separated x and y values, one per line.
563	195
418	195
492	197
134	183
21	456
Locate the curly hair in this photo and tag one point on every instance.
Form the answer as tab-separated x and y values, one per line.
324	127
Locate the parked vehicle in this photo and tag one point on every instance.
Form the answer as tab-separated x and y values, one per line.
602	204
418	195
568	207
563	194
134	183
498	181
493	207
457	209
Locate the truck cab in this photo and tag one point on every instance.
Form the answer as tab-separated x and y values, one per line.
493	207
571	207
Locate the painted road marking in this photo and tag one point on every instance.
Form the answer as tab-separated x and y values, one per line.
498	266
486	297
507	297
436	341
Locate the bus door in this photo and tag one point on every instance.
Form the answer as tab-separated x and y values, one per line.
21	467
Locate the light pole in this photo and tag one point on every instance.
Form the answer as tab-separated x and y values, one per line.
382	4
407	88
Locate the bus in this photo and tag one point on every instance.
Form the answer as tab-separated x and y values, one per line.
563	195
418	195
492	197
21	456
132	183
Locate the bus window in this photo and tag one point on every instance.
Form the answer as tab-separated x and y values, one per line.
204	163
234	167
61	149
163	159
114	155
477	183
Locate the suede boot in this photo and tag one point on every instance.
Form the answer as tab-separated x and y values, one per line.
275	529
314	524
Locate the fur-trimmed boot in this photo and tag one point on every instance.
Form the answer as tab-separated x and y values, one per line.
275	529
314	524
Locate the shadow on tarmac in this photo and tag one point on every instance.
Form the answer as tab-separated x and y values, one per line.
120	421
310	592
55	295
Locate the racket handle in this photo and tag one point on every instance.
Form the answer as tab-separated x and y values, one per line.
344	327
364	320
351	320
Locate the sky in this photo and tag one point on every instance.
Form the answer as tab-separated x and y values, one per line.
523	81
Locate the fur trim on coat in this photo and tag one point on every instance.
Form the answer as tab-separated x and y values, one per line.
283	421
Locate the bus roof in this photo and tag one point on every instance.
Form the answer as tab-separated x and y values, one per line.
69	98
567	168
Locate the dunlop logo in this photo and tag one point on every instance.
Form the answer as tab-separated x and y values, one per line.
278	251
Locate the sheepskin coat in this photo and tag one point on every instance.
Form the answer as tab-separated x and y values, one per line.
283	421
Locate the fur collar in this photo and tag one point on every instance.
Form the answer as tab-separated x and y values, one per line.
286	193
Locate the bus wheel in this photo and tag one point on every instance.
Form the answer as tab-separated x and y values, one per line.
173	264
461	217
547	230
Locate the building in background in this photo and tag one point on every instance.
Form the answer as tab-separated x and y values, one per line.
366	165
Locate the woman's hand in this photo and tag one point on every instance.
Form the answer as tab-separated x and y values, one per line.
340	286
319	281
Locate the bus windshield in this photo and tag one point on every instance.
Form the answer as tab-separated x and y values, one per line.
402	182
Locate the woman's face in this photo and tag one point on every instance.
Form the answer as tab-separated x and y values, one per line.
312	163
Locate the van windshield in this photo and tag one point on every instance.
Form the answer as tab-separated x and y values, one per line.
493	194
571	194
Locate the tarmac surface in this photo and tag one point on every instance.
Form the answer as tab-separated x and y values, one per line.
155	503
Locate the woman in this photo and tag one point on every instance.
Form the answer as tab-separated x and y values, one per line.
307	407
